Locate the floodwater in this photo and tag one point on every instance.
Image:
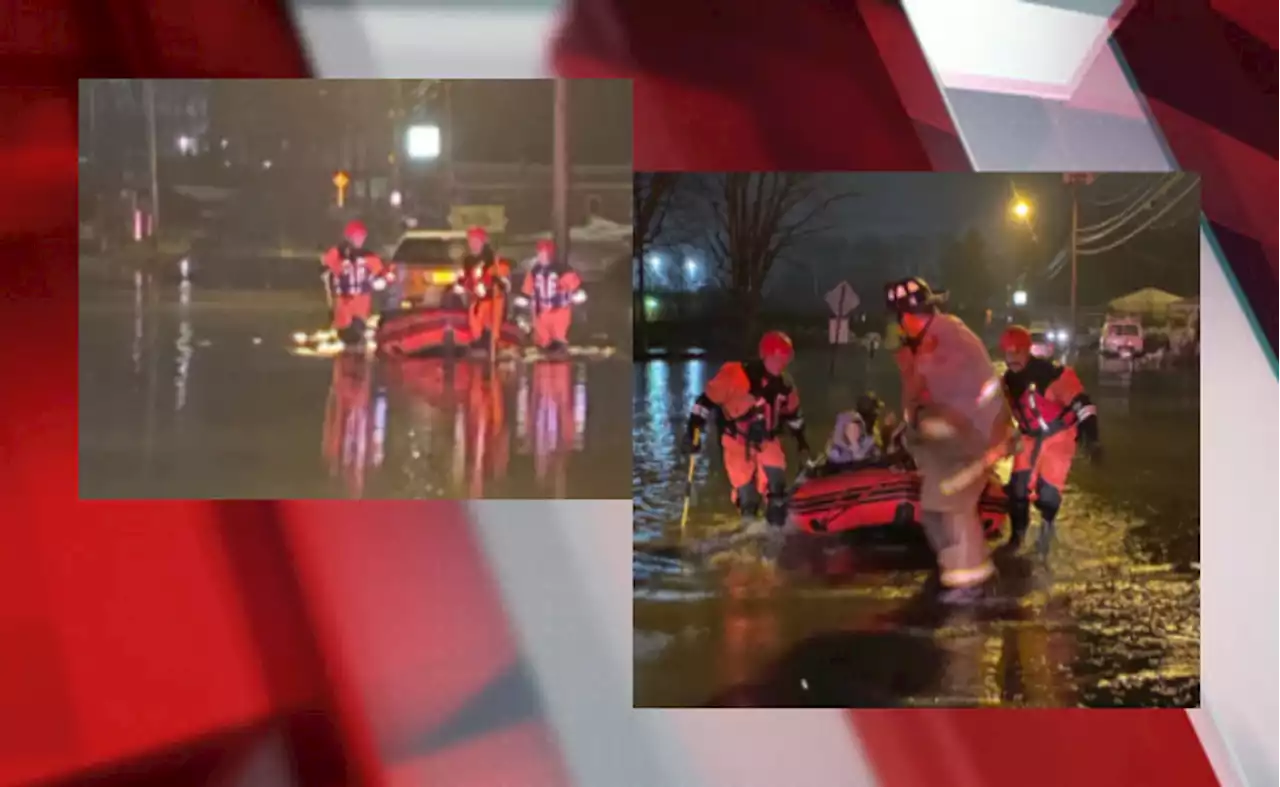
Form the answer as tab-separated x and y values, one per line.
1111	620
187	394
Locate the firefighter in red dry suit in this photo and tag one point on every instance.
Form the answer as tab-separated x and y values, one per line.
485	280
751	404
352	273
1053	414
550	289
957	428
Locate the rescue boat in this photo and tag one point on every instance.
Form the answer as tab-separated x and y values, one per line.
435	331
876	497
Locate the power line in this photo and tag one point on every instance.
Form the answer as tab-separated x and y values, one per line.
1168	207
1117	200
1116	223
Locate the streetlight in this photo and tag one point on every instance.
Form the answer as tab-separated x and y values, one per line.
1021	209
1019	298
423	142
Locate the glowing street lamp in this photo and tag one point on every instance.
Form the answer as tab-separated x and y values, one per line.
423	142
1021	210
1020	298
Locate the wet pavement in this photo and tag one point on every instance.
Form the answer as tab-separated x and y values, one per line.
1111	620
191	394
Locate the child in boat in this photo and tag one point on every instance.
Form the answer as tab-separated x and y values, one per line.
851	444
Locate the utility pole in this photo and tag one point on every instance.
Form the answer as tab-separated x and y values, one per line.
91	87
1075	243
1074	180
149	100
560	168
451	182
397	133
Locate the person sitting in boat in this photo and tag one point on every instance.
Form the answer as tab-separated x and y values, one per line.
870	406
891	434
852	444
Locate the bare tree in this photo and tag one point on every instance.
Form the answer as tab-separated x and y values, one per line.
654	194
757	220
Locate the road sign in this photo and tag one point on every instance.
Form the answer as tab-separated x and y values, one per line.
491	217
341	180
838	330
842	299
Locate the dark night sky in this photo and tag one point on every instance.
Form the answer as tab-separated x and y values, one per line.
914	213
496	120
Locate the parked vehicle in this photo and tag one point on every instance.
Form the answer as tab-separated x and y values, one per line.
1122	337
1048	341
427	263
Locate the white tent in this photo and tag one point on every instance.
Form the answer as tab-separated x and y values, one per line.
1147	302
596	230
593	246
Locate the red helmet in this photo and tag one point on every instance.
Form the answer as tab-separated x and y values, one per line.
1015	339
776	343
355	227
477	233
547	245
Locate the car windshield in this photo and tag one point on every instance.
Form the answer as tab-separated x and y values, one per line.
429	251
1124	330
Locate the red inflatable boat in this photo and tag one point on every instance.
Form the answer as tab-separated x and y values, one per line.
430	331
876	497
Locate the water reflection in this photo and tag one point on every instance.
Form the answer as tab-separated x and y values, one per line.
138	321
460	410
187	393
1114	620
184	345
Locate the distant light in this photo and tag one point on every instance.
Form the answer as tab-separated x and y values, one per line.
186	145
1020	298
651	306
137	225
266	164
184	267
1063	336
224	143
423	142
654	261
396	199
1021	209
691	265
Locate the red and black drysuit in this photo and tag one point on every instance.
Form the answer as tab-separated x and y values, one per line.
1054	415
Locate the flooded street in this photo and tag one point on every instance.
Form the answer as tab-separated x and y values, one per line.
1112	620
190	394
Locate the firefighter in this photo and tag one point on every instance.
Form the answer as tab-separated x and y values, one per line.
752	403
485	280
550	289
1053	415
957	427
352	273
